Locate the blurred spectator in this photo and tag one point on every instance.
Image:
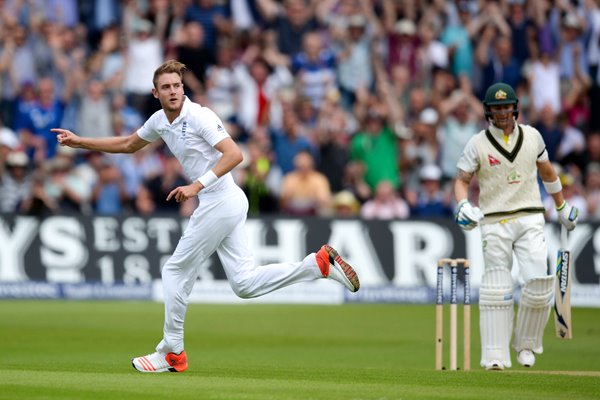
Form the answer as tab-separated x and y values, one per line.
305	191
99	14
62	12
386	204
139	166
544	81
403	46
430	200
307	116
432	53
290	21
576	103
592	188
130	118
376	146
63	186
354	68
457	38
494	55
39	203
333	140
17	67
592	149
354	181
258	81
460	116
424	148
289	142
109	196
160	185
24	102
260	179
314	69
551	133
8	143
95	111
15	182
245	16
345	205
47	113
573	59
523	31
190	50
214	17
593	54
222	89
572	144
107	63
144	55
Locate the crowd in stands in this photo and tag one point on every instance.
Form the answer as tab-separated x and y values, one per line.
349	108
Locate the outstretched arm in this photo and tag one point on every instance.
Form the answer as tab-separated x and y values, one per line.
115	144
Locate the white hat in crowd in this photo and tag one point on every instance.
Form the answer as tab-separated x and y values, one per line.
430	172
428	116
8	138
17	159
405	27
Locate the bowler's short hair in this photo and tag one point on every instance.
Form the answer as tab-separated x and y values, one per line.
168	67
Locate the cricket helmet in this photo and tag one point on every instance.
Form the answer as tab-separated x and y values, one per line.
499	94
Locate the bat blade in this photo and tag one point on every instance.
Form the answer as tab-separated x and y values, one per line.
562	290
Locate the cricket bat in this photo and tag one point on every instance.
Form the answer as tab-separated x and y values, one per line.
562	290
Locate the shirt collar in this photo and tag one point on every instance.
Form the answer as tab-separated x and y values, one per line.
184	109
499	133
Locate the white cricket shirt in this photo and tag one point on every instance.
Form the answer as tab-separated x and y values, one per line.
191	138
507	172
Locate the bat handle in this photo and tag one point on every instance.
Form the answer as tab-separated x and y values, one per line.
564	238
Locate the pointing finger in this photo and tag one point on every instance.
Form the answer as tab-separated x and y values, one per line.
173	192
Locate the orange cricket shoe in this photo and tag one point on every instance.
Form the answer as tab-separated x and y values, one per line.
332	266
158	362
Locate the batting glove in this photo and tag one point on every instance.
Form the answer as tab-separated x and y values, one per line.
568	215
467	216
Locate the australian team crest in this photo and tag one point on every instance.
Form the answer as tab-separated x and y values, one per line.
500	95
513	177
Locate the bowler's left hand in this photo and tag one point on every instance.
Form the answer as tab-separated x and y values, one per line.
182	193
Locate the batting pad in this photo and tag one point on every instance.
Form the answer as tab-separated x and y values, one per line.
534	310
496	316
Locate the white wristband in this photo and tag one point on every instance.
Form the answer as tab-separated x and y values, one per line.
208	178
552	187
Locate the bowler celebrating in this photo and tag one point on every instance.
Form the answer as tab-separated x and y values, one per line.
197	137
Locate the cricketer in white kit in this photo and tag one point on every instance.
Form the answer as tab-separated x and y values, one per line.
506	159
197	137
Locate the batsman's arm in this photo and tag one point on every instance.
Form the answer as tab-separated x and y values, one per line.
461	185
115	144
549	175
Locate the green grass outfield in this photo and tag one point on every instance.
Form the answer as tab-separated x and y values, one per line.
82	350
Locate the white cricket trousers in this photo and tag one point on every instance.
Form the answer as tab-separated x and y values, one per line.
218	225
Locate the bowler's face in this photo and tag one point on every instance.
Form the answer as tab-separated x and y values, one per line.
169	91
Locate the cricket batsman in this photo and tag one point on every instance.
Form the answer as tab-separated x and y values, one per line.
506	159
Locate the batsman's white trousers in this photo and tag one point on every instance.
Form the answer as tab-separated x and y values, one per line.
525	237
218	225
